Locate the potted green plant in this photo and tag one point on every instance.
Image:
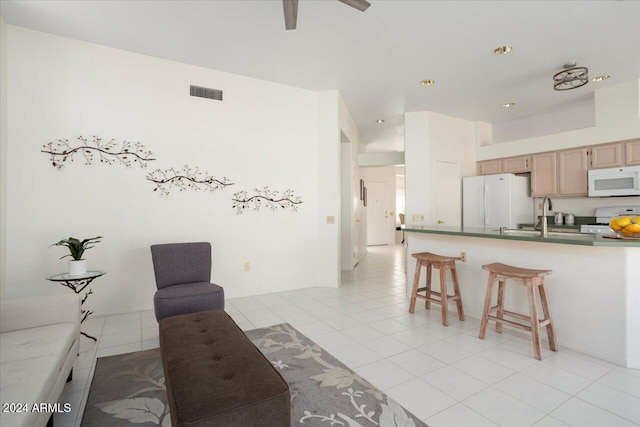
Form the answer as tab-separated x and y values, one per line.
77	265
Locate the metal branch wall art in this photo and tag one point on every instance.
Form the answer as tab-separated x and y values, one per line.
265	197
127	153
109	152
186	178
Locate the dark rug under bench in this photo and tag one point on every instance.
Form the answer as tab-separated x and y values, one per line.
128	389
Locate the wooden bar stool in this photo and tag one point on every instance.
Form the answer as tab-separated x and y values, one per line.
532	279
442	263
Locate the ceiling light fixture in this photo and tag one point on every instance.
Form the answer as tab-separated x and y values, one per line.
600	78
509	104
571	77
379	121
427	82
502	49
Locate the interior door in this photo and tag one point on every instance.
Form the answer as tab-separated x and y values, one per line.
377	213
447	193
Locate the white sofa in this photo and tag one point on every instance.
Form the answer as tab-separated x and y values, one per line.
39	341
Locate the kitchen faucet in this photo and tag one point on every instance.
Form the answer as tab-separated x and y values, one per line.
544	227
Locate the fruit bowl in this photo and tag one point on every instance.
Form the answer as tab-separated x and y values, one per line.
626	226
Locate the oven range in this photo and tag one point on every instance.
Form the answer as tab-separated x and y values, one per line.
603	216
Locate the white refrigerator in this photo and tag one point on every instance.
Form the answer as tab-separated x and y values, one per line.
494	201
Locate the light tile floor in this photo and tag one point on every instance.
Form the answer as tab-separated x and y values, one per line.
445	375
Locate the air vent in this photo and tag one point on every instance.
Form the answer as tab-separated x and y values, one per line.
206	92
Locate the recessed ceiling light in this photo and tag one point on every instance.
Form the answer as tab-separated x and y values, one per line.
380	121
601	78
502	49
427	82
509	104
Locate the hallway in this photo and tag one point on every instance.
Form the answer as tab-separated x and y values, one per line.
383	265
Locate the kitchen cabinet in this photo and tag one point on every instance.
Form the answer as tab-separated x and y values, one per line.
560	173
489	167
544	174
564	172
572	172
607	156
633	152
520	164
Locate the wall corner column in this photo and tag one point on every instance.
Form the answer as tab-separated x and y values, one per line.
416	160
328	170
3	157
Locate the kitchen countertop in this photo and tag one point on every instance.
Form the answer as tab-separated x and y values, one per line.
569	239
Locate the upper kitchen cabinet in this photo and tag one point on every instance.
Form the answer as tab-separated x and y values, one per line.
544	174
489	167
520	164
607	156
633	152
572	172
559	173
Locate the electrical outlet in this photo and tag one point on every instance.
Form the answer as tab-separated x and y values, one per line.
540	206
415	217
463	256
330	220
247	266
421	217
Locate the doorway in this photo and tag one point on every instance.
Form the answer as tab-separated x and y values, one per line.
378	213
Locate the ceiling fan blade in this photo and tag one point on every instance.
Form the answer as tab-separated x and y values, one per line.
361	5
290	14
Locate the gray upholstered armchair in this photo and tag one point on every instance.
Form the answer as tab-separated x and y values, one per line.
183	275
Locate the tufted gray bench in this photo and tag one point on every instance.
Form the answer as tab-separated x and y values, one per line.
215	376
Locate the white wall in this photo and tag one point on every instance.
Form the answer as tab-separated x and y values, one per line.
617	119
261	134
347	208
381	158
432	137
565	116
452	140
3	156
417	159
586	206
328	187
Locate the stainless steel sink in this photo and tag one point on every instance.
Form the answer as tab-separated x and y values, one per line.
519	232
536	233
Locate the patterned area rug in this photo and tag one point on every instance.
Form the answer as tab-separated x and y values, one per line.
128	389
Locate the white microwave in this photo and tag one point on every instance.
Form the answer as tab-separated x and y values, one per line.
623	181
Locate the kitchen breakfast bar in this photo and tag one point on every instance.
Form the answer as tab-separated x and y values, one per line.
594	290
